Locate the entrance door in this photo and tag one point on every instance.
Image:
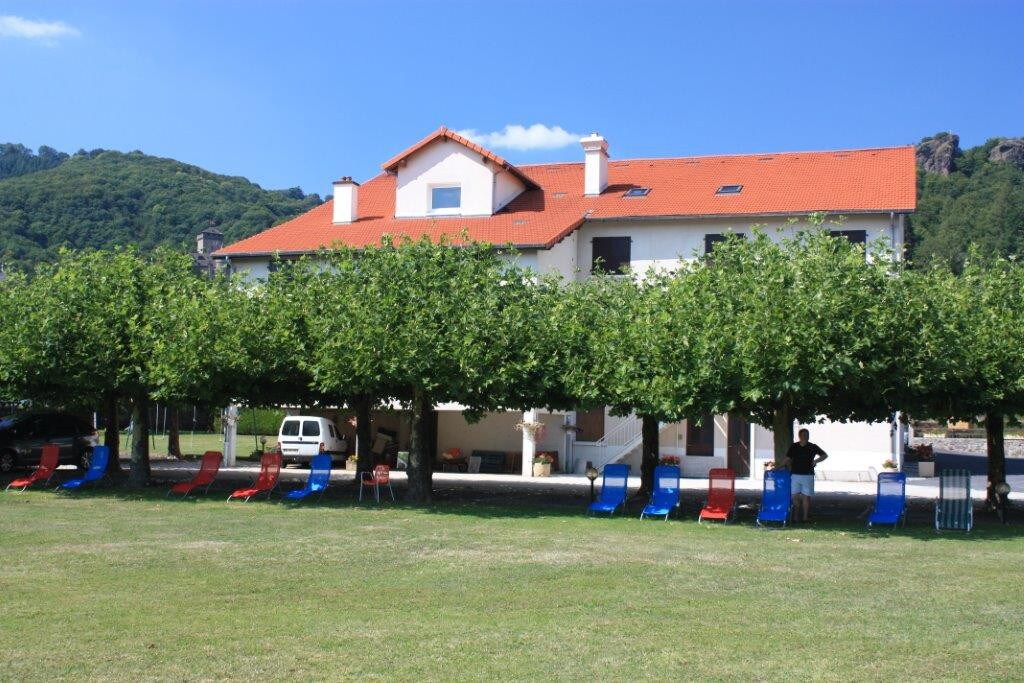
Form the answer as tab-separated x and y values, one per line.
738	446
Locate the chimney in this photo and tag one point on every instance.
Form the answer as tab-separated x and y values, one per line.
346	200
595	173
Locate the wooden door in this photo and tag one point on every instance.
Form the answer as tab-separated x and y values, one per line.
738	445
590	424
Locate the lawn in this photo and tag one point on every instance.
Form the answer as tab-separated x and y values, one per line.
198	443
114	586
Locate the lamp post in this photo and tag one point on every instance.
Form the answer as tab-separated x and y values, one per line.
591	473
1003	491
263	444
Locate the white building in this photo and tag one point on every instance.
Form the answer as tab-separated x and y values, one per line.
637	212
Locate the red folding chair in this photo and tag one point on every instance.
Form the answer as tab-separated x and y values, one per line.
380	476
204	477
721	503
48	462
266	482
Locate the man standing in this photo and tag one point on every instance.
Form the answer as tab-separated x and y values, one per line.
801	459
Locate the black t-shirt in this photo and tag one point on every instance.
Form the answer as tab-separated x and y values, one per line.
801	458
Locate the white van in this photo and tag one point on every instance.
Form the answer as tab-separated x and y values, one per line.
303	436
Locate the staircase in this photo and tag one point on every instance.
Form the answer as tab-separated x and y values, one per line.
620	442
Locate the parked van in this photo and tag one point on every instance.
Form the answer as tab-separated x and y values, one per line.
303	436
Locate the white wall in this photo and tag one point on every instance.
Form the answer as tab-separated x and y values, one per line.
560	258
444	162
495	432
661	244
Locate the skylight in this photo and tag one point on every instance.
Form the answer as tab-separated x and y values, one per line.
637	192
729	189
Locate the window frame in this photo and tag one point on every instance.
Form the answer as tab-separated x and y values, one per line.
443	211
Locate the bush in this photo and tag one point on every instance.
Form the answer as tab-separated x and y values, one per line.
256	421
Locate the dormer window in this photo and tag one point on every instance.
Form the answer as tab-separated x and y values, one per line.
446	199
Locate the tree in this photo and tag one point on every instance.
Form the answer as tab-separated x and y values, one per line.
425	323
965	357
805	317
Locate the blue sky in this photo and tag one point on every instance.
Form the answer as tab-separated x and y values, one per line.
300	93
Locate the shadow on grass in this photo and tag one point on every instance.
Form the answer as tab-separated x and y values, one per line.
833	512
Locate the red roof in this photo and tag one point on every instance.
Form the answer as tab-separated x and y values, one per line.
792	183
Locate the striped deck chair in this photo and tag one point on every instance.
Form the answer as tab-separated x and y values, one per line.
954	509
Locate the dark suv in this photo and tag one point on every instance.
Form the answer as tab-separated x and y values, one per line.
23	436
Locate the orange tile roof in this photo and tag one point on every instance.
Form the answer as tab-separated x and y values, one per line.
791	183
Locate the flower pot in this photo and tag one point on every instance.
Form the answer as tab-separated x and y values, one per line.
542	470
926	469
351	465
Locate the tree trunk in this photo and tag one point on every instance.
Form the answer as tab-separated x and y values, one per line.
421	462
173	431
111	434
140	441
995	446
648	454
364	453
782	431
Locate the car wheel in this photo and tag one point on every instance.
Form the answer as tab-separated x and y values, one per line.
7	461
84	458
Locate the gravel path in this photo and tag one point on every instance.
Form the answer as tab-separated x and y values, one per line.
1014	447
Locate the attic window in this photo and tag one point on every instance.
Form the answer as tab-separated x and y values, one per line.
637	192
729	189
445	199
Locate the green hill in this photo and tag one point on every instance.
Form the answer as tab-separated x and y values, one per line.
972	196
102	198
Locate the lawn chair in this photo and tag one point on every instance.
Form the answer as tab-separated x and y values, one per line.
954	509
48	462
891	501
380	476
97	468
775	500
614	484
266	482
319	476
208	469
666	492
721	502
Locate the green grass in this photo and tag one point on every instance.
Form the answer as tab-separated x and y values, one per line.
119	587
198	443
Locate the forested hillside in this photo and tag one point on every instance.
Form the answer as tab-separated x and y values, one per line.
102	198
965	197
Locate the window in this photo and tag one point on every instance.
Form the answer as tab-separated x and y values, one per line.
610	254
711	239
290	428
590	425
729	189
310	428
700	438
854	236
637	192
446	199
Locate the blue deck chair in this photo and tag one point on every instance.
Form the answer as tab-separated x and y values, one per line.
319	476
954	510
614	484
97	468
776	498
891	502
666	492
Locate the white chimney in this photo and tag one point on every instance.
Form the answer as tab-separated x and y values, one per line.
346	200
595	170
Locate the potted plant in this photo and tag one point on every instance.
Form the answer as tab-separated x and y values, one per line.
889	466
672	460
535	431
352	463
542	465
925	455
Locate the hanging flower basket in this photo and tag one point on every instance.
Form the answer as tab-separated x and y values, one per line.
535	431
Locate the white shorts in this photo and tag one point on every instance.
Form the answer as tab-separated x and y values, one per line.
803	483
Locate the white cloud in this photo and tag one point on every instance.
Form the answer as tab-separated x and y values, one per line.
44	31
514	136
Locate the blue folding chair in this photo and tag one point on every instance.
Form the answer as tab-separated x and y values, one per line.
614	484
666	492
319	477
775	500
891	501
97	468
